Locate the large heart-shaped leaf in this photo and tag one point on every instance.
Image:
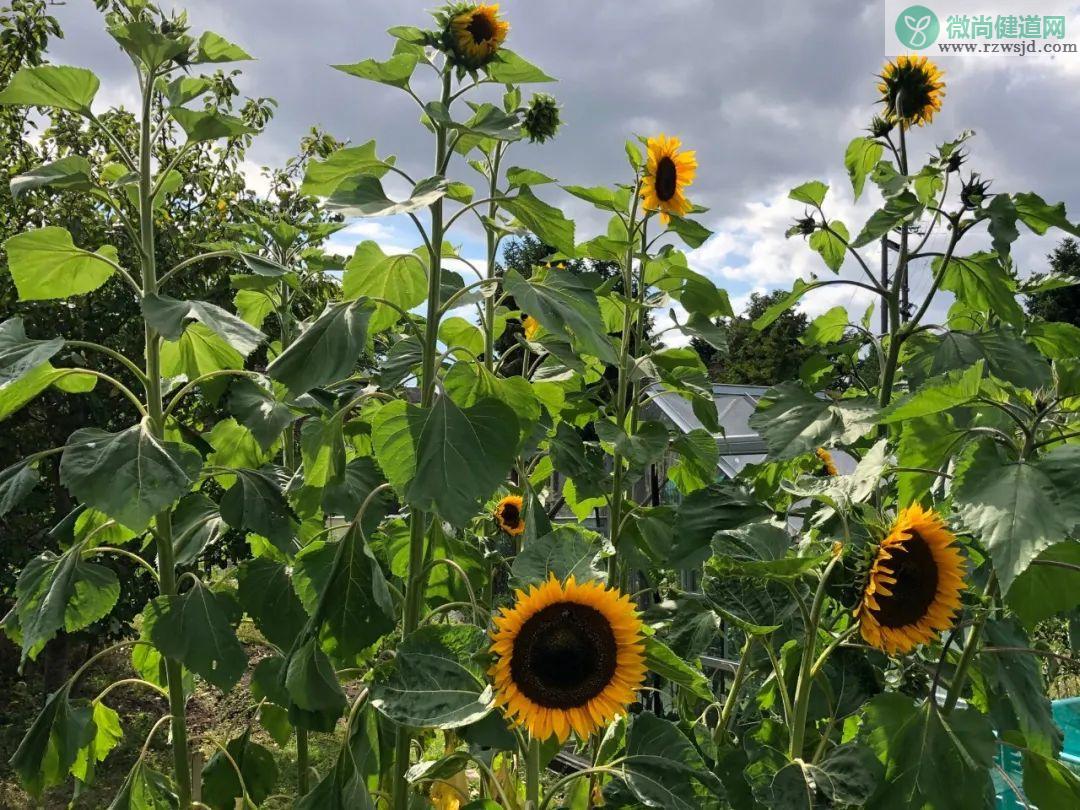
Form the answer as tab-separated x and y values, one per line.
45	263
265	591
445	458
327	350
53	741
567	551
71	172
68	88
168	316
435	680
131	475
793	421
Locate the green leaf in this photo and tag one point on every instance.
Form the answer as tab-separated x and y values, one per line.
71	172
146	43
327	351
566	551
1002	227
930	760
444	458
800	289
130	476
145	789
755	607
1040	216
937	394
20	355
365	197
793	421
107	735
548	223
861	155
353	598
45	263
722	505
660	659
829	327
1057	341
660	762
435	680
1048	782
1013	510
848	775
52	743
196	524
830	244
168	315
1011	689
564	304
517	176
395	71
509	68
349	784
197	629
209	125
256	409
68	88
760	551
699	456
902	208
400	279
812	193
16	483
215	48
254	306
255	503
64	592
981	282
323	177
200	351
692	232
221	788
313	686
361	478
583	463
1043	591
265	591
600	196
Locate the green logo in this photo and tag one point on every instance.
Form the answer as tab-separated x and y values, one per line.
917	27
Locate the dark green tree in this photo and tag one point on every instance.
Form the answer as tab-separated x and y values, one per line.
1061	304
758	358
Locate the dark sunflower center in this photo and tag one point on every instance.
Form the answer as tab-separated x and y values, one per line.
564	656
481	28
511	515
666	175
913	93
916	575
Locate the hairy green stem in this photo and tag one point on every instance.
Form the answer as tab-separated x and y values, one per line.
971	647
532	773
802	685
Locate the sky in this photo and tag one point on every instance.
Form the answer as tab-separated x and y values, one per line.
767	93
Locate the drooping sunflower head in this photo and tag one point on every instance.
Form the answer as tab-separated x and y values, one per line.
472	33
828	467
508	514
531	326
668	171
911	89
569	658
912	592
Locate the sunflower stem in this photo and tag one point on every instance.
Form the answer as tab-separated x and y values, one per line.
802	686
416	582
532	773
971	647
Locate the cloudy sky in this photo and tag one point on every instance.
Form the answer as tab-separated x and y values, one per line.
768	94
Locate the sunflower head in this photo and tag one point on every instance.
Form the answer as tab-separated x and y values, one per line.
828	467
974	191
508	514
911	89
471	33
668	171
541	119
568	658
880	127
912	592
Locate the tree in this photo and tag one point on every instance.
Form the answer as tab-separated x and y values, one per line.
1061	304
758	358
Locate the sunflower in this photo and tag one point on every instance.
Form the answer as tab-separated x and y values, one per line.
531	326
508	515
668	171
450	794
911	90
475	33
913	591
569	658
827	464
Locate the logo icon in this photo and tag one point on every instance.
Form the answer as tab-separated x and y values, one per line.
917	27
